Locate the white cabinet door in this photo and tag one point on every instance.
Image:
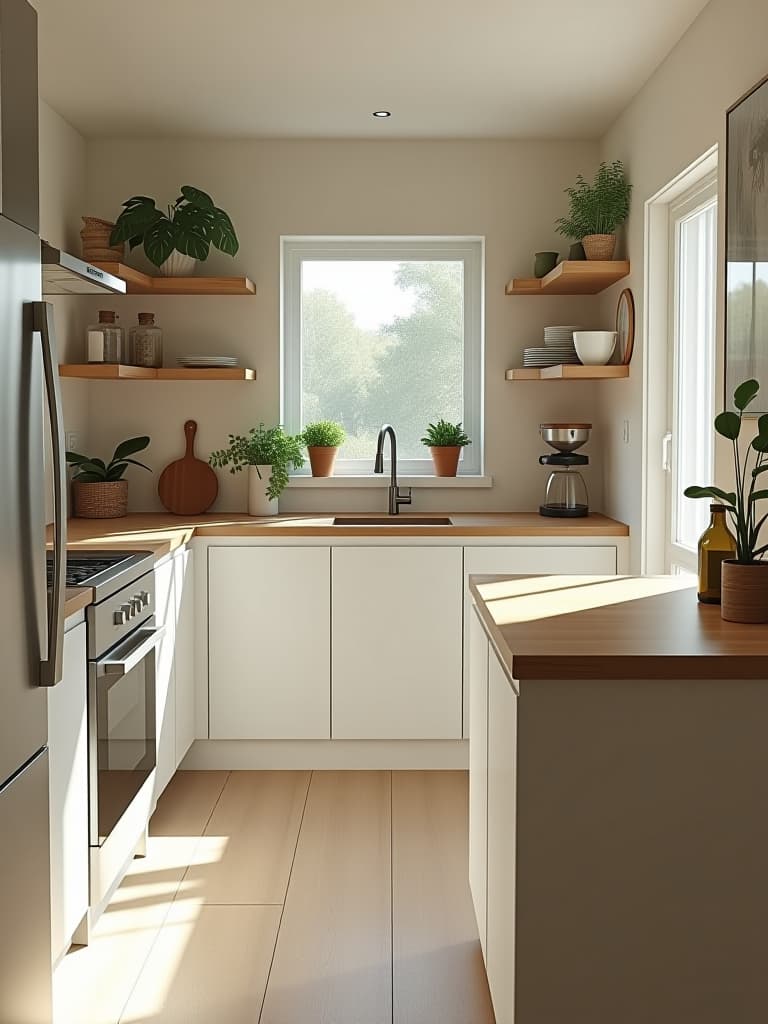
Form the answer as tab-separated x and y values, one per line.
478	771
165	686
600	560
397	639
68	769
184	663
502	844
269	642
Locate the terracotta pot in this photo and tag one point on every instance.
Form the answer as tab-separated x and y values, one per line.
446	459
744	591
322	459
102	500
599	247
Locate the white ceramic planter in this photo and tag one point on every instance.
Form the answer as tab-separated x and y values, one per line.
178	265
258	502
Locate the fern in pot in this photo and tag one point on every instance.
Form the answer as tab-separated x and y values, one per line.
597	210
99	490
744	581
445	441
267	453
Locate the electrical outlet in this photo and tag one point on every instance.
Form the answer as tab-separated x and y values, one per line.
71	440
625	434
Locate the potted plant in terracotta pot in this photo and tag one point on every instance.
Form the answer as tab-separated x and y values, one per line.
323	440
597	209
744	581
267	453
98	488
445	441
176	240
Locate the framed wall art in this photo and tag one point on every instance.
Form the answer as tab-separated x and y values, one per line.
746	215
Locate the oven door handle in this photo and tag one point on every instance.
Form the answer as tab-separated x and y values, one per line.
147	641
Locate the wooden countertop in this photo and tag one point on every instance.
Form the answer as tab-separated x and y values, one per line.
75	599
614	627
163	532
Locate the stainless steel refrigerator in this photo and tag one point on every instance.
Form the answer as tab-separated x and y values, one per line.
31	618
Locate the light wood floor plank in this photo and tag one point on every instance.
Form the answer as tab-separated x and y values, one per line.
208	964
438	973
246	853
333	958
186	804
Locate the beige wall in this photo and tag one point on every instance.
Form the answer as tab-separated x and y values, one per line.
510	192
676	117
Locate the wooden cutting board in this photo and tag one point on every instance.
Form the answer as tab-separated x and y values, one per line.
188	486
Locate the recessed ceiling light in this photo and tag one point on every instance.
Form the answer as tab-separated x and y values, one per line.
382	113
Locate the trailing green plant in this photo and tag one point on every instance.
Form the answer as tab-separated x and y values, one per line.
90	470
445	435
192	225
597	208
749	467
263	446
324	434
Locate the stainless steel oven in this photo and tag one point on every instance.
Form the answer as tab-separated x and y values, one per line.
121	714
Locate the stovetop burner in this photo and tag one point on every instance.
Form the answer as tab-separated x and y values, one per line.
82	568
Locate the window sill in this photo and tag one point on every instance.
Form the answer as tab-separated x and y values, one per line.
448	482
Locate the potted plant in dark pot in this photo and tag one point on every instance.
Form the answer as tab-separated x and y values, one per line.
267	453
744	581
445	441
597	209
323	440
98	488
176	240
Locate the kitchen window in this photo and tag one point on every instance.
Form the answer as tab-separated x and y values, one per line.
693	255
384	330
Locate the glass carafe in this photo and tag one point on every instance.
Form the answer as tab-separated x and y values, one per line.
566	494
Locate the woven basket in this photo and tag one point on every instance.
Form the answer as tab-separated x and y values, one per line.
95	239
103	500
599	247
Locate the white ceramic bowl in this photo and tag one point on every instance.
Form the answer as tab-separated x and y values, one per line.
594	348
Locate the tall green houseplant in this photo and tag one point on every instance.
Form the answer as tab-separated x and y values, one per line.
597	209
749	467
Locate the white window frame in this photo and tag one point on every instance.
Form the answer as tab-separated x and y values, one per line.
468	249
694	201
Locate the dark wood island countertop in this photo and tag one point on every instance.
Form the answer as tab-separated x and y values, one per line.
614	627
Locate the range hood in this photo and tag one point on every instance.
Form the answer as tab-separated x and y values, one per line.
67	275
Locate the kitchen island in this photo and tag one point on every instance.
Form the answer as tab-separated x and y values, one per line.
618	790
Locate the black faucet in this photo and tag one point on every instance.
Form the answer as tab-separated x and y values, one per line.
396	498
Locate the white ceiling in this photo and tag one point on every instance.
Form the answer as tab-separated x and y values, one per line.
453	68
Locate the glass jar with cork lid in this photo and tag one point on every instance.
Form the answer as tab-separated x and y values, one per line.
105	341
146	342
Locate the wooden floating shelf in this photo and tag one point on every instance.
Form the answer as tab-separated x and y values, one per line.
571	277
139	283
113	371
568	372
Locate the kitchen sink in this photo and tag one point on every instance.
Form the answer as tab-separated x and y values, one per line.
392	521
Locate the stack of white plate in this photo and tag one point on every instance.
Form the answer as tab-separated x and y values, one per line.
210	362
549	355
559	337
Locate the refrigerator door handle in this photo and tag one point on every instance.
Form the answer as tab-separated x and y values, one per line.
51	666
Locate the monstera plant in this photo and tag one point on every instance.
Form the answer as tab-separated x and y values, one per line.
191	226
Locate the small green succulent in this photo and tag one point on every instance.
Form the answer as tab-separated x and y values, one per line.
445	435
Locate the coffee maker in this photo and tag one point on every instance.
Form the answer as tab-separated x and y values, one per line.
566	493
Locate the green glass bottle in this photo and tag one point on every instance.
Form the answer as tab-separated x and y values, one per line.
715	544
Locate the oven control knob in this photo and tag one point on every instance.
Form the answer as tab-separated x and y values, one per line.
119	618
136	605
144	597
